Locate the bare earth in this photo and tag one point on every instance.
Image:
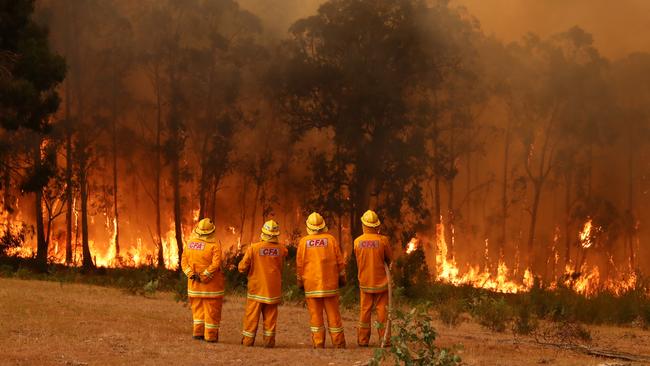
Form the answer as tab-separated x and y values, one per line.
47	323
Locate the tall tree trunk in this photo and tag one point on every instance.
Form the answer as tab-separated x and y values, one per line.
537	186
177	143
87	260
68	182
178	229
41	243
6	186
631	225
567	218
114	132
258	186
436	173
450	198
158	168
204	180
504	192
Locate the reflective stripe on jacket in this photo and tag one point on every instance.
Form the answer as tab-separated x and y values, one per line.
319	264
263	262
202	256
371	251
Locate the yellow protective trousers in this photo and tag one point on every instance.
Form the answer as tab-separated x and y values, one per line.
206	314
269	314
330	305
378	301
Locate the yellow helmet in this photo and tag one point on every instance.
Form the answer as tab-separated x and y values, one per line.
204	227
370	219
315	222
271	228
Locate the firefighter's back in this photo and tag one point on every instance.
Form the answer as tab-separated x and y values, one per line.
372	251
265	274
203	257
320	265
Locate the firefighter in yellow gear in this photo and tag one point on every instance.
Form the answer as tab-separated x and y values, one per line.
372	251
201	262
320	269
263	263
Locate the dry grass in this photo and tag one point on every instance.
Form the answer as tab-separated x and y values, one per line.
46	323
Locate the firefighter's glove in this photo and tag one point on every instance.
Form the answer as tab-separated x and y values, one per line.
342	281
301	285
195	277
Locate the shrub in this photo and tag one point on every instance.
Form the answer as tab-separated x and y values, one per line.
6	270
525	321
180	289
645	314
565	332
450	312
413	342
492	313
349	297
150	288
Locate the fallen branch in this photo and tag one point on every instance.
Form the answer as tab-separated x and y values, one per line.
599	352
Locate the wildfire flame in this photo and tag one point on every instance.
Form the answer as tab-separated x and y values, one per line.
585	235
412	245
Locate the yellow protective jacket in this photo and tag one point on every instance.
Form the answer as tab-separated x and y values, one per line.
263	262
319	264
372	251
202	256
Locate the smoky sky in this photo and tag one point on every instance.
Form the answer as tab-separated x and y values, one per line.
619	27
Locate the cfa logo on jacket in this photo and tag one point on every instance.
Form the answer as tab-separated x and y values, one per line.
196	245
369	244
270	252
316	243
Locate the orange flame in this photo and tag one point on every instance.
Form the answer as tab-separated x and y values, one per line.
412	245
585	235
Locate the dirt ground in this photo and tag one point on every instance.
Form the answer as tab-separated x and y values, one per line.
47	323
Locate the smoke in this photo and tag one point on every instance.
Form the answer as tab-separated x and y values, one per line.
263	150
278	15
619	28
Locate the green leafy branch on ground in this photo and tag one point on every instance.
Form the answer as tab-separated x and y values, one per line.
413	342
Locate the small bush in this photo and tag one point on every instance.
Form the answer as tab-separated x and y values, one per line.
349	297
150	288
180	289
645	315
413	342
450	312
6	270
525	321
565	332
492	313
24	273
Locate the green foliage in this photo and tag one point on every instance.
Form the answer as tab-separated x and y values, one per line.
645	314
413	342
410	272
150	288
180	289
349	297
6	270
492	313
525	321
235	280
450	311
